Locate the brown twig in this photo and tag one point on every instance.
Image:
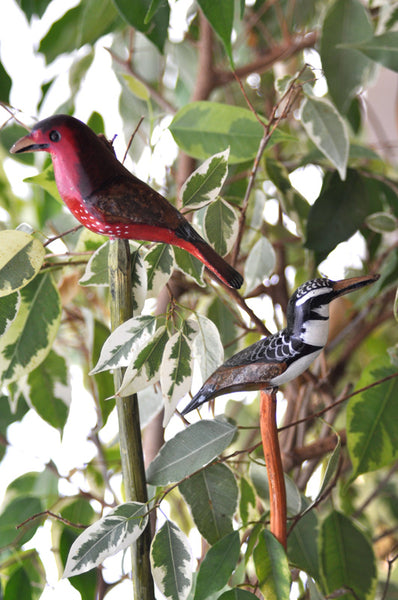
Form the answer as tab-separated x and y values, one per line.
131	138
319	413
269	128
48	513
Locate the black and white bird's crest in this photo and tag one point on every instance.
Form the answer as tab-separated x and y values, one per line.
313	285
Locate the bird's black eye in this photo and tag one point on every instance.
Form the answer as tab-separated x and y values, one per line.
54	136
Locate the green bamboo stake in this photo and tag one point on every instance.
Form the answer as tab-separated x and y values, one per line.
132	458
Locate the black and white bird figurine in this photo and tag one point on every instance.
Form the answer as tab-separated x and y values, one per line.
283	356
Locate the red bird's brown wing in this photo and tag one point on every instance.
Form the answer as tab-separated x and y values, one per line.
126	199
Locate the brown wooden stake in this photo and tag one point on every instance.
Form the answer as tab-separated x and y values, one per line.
273	462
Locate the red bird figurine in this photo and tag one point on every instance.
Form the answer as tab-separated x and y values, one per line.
106	198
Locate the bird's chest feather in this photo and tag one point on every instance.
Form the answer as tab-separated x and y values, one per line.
68	177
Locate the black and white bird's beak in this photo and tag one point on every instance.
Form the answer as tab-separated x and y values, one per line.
344	286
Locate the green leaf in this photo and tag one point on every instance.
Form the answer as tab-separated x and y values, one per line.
259	477
237	594
340	210
9	306
383	49
204	185
18	586
48	392
247	500
46	180
260	264
225	321
302	543
176	368
212	495
347	558
5	84
43	485
150	402
331	467
207	346
85	583
135	13
171	562
293	203
189	450
127	339
220	15
16	512
382	222
98	333
113	533
30	337
346	70
272	568
327	130
136	87
10	412
203	129
35	7
217	566
83	24
24	576
21	257
159	263
189	265
221	225
78	70
372	421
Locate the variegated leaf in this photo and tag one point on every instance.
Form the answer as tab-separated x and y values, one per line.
160	264
21	256
30	336
260	263
221	226
327	129
9	306
124	342
96	272
113	533
144	367
204	185
207	346
176	369
189	265
171	562
139	281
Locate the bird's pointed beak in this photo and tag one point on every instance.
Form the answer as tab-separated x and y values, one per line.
27	144
345	286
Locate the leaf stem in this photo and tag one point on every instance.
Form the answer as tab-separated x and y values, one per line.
131	453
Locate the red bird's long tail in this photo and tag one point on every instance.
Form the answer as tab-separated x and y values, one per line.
198	247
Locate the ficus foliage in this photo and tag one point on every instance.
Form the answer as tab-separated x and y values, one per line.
239	140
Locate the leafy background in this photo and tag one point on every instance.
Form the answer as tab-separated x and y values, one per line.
198	143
